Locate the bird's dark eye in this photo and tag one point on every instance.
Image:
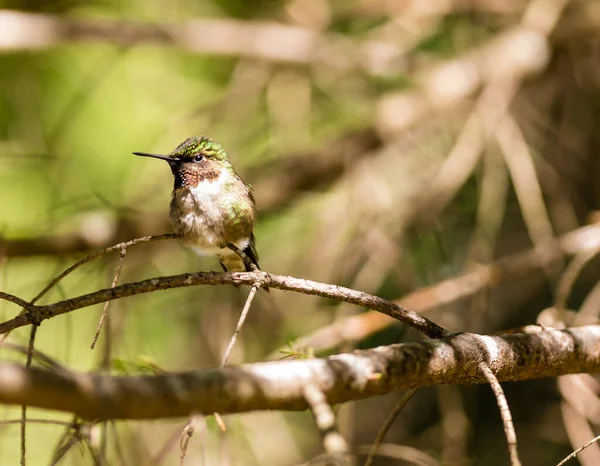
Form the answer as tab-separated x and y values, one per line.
198	158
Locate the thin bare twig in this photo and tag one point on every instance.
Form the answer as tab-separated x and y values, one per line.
16	300
509	428
569	277
65	445
102	252
24	407
39	357
490	209
387	424
467	150
186	435
233	339
27	307
188	430
40	313
239	325
579	429
104	315
579	450
521	167
105	361
589	309
580	391
39	421
73	434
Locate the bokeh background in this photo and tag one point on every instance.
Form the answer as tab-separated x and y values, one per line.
391	145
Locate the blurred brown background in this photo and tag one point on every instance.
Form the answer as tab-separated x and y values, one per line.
391	145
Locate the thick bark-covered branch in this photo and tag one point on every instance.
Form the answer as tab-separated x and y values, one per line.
281	385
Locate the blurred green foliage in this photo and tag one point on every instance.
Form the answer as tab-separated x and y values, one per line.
72	113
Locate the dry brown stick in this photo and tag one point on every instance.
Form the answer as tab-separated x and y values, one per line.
468	148
239	325
590	307
184	438
39	421
491	207
39	357
519	51
16	300
186	435
106	353
104	315
579	429
102	252
521	167
280	385
569	277
188	430
579	450
71	437
37	314
30	350
118	247
522	171
509	428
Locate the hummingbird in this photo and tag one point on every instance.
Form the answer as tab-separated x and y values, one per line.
211	206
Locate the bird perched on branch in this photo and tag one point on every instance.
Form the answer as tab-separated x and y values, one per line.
211	206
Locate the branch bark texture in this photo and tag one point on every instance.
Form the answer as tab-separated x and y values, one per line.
36	314
281	385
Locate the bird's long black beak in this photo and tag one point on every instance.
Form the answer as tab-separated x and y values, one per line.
157	156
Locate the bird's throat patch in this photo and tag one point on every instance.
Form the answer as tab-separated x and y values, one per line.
190	177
